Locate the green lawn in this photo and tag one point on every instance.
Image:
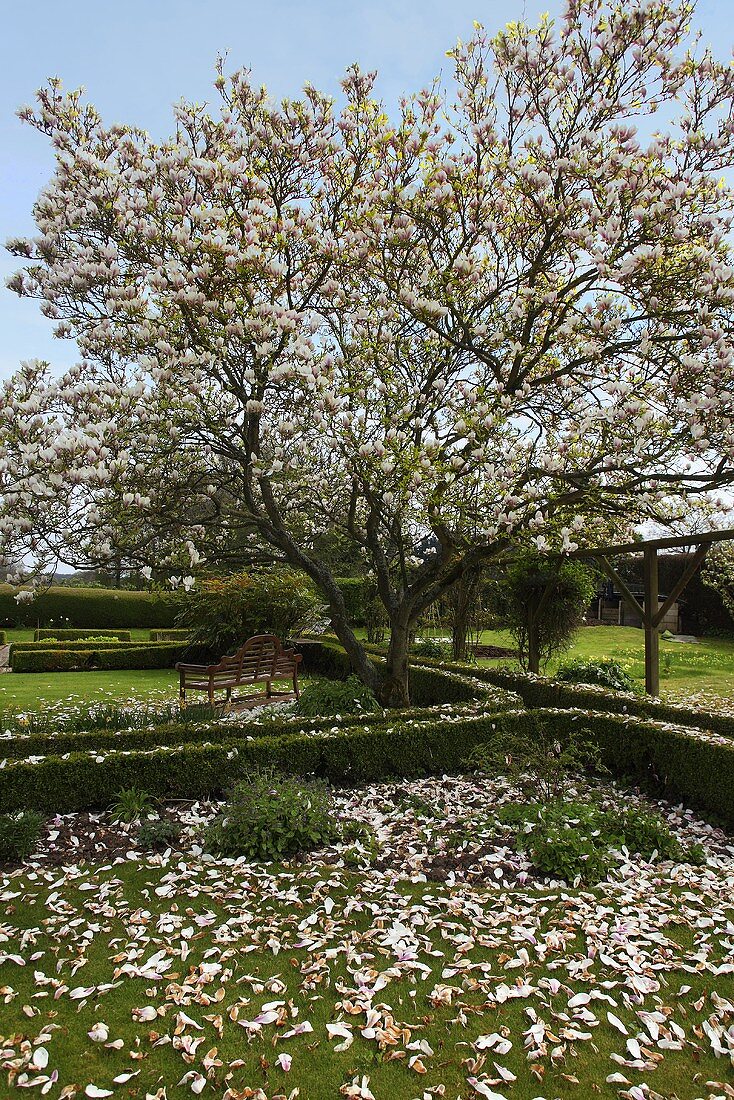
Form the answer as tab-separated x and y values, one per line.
31	690
172	970
687	671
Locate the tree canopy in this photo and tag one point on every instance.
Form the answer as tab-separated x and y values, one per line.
494	316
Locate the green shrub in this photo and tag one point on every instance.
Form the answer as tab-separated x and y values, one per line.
542	601
19	834
104	608
131	804
269	817
569	850
357	593
223	612
51	634
153	836
605	672
578	840
429	686
3	638
644	833
538	761
431	647
327	697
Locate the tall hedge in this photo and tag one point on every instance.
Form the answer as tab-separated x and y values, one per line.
100	608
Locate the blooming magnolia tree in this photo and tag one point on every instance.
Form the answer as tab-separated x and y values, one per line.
502	316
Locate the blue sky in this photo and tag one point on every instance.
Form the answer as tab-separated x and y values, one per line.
137	57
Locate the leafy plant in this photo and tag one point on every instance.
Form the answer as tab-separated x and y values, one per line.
131	804
542	603
537	762
224	612
161	833
644	833
365	849
19	834
270	817
564	849
434	648
603	671
696	854
579	840
324	697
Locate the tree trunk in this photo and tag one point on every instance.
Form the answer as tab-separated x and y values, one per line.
533	647
462	598
394	690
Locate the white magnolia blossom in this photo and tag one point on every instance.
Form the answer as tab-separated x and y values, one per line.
489	321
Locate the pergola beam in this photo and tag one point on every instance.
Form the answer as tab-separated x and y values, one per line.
669	543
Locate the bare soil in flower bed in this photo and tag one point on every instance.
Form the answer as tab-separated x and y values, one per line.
444	830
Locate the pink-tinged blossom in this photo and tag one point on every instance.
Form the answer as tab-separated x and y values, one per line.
481	320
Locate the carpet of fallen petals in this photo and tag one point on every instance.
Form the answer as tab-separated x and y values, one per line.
437	965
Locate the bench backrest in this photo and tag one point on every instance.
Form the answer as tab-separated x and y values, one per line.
259	655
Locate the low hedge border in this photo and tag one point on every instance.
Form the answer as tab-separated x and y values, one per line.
81	645
430	684
75	635
3	637
679	764
180	733
542	691
116	656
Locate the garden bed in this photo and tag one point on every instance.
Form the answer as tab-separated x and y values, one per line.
438	965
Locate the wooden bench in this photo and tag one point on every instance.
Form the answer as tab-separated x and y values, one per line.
261	660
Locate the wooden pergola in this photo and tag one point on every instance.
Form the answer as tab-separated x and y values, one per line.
650	611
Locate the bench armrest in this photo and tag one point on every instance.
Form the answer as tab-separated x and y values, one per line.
181	667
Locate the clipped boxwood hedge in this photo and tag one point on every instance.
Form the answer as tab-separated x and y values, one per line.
692	767
50	645
181	732
117	656
429	686
542	691
3	638
100	608
75	635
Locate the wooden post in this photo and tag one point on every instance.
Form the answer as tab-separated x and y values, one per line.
652	638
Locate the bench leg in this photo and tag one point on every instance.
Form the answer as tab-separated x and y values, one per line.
295	683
